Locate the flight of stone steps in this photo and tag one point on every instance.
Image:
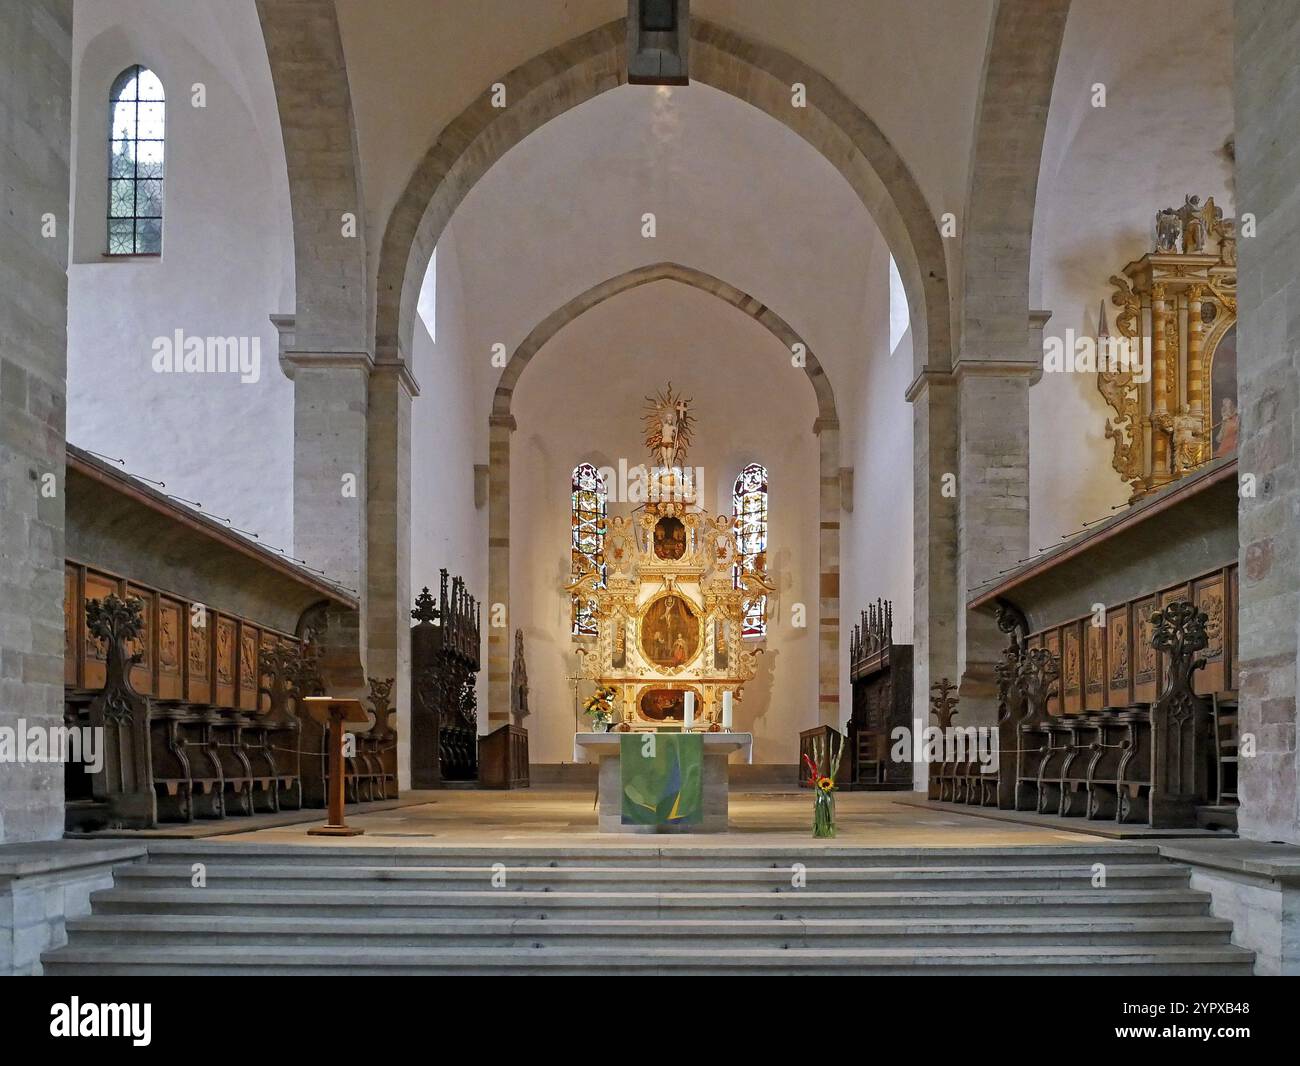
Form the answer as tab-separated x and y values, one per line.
269	909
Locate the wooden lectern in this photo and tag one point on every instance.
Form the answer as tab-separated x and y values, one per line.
332	713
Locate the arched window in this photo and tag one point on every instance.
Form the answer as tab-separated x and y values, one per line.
135	163
749	511
587	510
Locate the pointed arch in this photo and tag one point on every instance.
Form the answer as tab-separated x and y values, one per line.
645	275
501	424
580	69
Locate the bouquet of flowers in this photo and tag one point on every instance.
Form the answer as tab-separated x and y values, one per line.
823	785
601	708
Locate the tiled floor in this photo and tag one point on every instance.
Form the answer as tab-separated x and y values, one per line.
566	816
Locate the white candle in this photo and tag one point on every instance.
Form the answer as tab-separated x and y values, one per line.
726	710
690	710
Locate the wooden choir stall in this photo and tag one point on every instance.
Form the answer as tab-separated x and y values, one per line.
201	712
1118	689
880	673
445	660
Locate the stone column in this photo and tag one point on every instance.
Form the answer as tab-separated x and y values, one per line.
387	606
35	112
1267	101
934	515
329	460
500	645
330	482
828	580
993	513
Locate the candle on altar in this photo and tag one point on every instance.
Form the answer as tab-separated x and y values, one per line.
690	710
726	710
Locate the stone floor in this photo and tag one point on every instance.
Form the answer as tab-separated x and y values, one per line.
567	816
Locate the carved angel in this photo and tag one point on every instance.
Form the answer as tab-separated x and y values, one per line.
720	544
619	544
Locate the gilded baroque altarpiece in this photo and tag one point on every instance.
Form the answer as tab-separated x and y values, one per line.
1179	302
668	600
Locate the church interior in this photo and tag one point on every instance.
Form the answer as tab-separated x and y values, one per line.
493	488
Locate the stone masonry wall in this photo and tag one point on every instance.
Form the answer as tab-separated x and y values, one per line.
1267	103
35	138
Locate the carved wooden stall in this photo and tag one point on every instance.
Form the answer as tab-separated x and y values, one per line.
445	658
198	710
1137	762
880	673
1113	610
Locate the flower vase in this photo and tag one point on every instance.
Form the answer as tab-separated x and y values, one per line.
823	812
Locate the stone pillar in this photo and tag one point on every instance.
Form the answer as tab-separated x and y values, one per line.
828	580
329	461
500	646
1267	101
993	515
934	516
387	603
35	113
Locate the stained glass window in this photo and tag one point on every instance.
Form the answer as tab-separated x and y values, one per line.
749	511
135	163
588	508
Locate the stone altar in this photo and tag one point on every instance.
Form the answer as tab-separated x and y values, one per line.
718	748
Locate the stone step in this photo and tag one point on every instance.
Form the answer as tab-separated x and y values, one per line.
268	933
661	908
400	903
119	960
1123	876
676	856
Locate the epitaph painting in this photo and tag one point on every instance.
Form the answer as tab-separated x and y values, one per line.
670	632
1223	394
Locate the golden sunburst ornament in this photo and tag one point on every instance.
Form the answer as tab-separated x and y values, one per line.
668	427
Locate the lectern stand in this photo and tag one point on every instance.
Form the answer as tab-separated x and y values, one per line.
333	713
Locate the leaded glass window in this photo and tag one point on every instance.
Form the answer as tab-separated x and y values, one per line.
588	507
135	163
749	512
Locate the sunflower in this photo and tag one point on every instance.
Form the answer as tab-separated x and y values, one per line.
825	784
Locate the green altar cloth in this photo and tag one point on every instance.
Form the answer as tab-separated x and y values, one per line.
662	777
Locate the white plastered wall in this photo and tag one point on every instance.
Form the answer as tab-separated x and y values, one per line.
1105	173
735	194
581	399
447	528
226	264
